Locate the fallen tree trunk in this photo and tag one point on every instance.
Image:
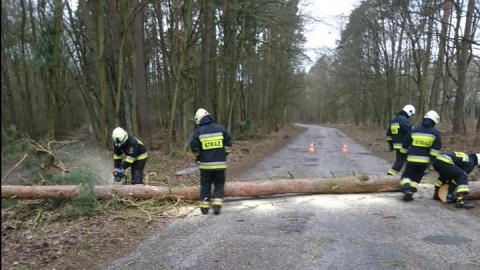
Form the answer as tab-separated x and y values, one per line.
345	185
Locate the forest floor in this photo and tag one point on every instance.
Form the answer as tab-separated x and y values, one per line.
36	235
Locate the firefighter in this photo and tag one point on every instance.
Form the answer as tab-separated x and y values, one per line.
453	169
210	144
419	148
397	131
135	155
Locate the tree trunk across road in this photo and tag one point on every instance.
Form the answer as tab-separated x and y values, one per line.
344	185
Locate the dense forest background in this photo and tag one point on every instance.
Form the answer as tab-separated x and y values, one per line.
148	65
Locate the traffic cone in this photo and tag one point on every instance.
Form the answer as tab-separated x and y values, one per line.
311	149
344	149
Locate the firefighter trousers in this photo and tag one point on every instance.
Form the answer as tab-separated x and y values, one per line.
209	178
137	171
412	175
456	178
399	162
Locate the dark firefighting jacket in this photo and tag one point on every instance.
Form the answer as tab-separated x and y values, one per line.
133	149
459	159
210	144
423	143
398	129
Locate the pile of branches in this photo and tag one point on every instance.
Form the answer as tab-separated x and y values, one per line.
44	156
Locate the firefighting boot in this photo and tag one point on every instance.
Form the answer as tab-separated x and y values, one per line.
217	205
407	193
216	209
204	207
460	203
392	173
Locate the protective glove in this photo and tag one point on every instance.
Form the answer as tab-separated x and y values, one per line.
450	198
197	160
118	172
390	146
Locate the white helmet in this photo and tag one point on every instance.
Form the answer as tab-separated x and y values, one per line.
409	109
478	159
433	115
199	115
119	136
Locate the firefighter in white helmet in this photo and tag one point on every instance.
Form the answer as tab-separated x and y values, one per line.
453	168
420	148
397	131
210	144
135	155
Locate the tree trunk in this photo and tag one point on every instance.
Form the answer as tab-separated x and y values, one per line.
143	118
430	13
464	57
9	116
166	58
26	73
53	71
115	53
439	65
346	185
476	139
177	66
187	73
102	77
205	85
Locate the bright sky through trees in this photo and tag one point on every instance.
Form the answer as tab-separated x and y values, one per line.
330	17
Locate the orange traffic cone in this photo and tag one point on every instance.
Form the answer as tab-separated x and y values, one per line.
344	149
311	149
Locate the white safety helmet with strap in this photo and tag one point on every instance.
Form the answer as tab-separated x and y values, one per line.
409	109
433	115
119	136
199	115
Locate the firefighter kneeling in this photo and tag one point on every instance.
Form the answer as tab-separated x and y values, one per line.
453	169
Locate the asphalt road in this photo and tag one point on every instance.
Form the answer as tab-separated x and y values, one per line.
351	231
327	161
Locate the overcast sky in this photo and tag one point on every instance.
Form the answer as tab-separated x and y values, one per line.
333	15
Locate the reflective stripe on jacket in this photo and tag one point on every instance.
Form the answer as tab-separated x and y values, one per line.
133	149
210	144
423	144
459	159
398	129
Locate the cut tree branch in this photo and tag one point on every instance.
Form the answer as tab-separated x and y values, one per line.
13	168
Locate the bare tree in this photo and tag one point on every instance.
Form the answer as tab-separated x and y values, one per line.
440	63
27	97
140	73
464	57
476	139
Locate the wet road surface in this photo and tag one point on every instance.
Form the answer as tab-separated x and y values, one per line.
351	231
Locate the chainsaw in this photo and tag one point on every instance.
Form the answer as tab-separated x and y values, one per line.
119	178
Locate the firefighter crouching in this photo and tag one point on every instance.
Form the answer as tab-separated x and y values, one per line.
135	155
453	169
